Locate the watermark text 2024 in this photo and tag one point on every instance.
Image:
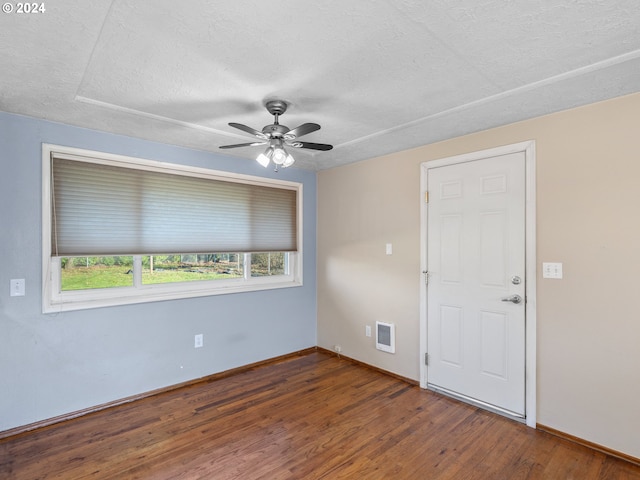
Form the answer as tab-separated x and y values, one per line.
21	8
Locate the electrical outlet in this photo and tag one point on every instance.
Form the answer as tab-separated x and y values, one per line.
337	348
199	340
367	330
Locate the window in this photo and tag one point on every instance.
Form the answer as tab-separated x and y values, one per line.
120	230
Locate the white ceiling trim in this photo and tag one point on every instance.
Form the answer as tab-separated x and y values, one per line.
594	67
140	113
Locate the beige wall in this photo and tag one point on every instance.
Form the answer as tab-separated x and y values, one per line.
588	218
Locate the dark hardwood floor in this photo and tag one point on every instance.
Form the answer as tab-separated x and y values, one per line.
307	417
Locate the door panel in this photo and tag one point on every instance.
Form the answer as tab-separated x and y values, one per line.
450	251
493	331
492	249
475	245
451	335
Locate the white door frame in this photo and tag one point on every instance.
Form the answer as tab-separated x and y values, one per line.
529	149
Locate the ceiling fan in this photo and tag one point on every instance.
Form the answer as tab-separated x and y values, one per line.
277	137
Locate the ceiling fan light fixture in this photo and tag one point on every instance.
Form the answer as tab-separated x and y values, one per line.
279	156
289	161
264	158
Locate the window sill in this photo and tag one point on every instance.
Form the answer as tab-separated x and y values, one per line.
87	299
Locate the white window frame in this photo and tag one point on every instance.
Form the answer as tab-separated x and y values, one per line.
55	300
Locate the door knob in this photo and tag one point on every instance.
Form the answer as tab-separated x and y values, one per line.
513	299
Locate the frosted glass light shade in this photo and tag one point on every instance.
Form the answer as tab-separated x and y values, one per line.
279	156
263	160
289	161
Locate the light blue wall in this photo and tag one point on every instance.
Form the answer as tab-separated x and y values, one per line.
60	363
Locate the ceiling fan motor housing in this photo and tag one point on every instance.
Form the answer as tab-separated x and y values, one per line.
275	131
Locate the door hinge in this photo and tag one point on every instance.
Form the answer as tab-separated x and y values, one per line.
426	359
426	197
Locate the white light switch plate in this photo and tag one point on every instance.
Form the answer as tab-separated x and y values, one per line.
17	287
552	270
389	249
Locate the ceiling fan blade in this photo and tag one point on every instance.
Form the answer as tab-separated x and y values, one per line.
303	129
310	145
238	145
247	129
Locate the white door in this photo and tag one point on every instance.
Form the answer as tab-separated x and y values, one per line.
476	281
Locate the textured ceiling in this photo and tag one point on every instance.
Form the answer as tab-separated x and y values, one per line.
380	76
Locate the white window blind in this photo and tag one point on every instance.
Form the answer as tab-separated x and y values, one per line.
101	209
